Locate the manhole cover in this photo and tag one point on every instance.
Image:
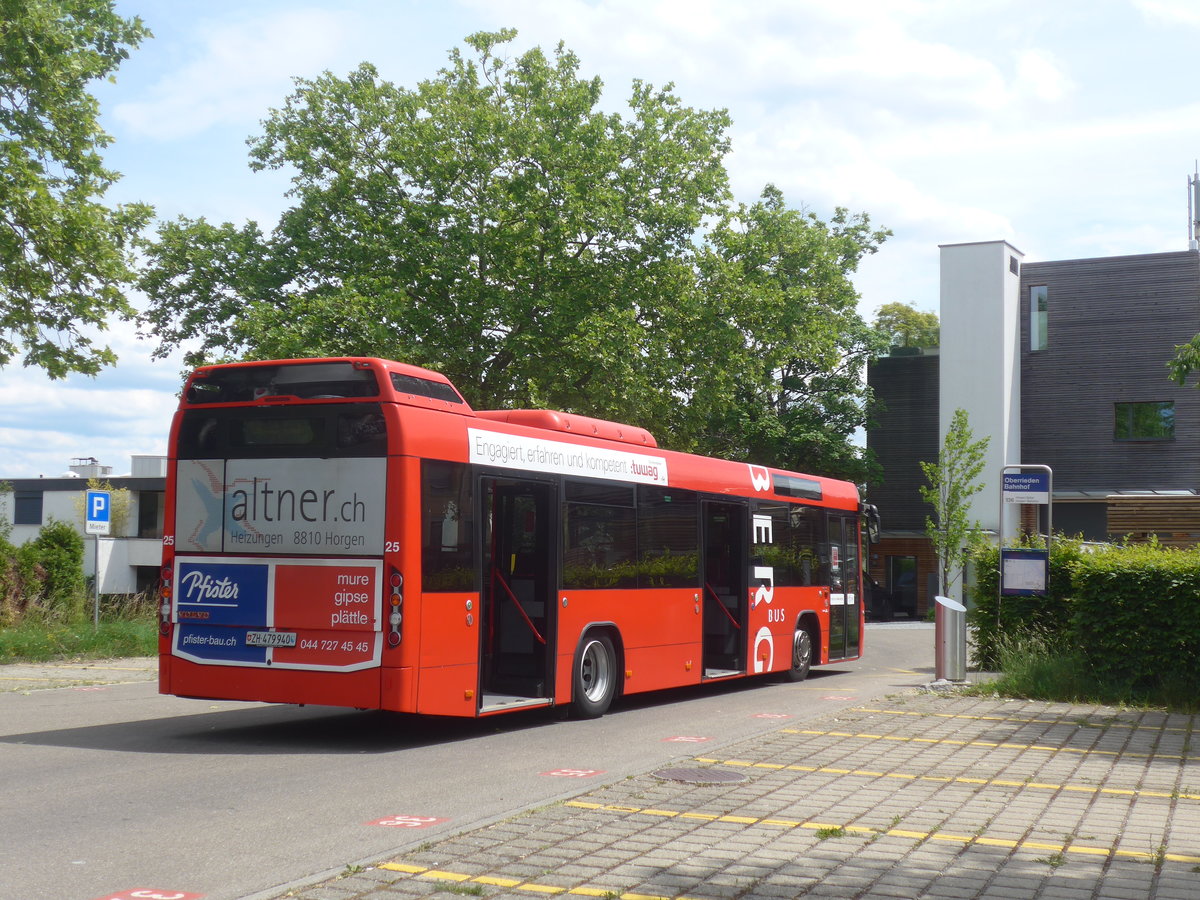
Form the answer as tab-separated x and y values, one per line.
700	776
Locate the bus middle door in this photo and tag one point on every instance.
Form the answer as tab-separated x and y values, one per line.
518	608
725	599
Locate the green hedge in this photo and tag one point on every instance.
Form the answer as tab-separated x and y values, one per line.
997	621
1130	613
1137	615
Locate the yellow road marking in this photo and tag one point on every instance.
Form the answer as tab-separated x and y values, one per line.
967	840
1076	723
516	883
1046	748
445	876
958	779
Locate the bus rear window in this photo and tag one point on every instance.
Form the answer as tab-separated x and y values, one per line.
308	381
298	432
356	429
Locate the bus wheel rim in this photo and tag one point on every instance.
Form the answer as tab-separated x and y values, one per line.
594	670
801	648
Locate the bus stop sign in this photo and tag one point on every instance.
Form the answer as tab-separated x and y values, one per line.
98	512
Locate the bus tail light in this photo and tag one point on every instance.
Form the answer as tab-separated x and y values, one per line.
395	604
164	598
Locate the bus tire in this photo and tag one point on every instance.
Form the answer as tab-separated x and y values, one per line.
594	683
802	655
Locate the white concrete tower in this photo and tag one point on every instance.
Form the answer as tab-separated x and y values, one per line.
980	369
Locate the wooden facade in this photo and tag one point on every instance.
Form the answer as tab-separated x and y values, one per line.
1172	520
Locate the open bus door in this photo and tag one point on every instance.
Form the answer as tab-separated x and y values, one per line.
725	589
517	600
845	596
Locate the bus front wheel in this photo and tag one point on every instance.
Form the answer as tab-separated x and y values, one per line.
802	655
595	682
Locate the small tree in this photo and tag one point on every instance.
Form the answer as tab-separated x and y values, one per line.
952	483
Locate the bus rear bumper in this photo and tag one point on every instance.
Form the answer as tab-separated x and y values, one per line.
357	690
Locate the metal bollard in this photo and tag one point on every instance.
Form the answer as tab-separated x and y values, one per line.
950	639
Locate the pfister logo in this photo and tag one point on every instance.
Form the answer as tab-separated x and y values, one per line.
222	593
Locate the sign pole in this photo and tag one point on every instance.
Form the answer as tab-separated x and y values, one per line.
1025	572
96	588
97	521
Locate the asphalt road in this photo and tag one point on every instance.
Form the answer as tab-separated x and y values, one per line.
107	788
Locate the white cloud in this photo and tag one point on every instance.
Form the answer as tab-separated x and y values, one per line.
1171	12
1039	75
240	70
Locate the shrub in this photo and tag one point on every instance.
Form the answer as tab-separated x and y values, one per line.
43	579
995	620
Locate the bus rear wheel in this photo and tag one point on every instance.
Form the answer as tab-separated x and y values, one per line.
802	655
595	681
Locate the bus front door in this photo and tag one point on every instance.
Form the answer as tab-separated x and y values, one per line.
845	597
517	614
725	590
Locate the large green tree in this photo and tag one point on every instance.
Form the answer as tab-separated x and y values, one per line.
781	345
904	325
64	256
492	223
496	224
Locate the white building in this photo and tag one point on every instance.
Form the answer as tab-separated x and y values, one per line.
129	561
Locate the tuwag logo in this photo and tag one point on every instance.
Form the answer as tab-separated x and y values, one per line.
201	587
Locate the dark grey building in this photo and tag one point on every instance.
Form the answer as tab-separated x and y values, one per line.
1077	381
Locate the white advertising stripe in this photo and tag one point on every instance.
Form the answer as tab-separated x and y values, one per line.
281	506
509	451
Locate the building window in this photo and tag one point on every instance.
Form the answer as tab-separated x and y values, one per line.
1153	421
1037	317
150	514
27	507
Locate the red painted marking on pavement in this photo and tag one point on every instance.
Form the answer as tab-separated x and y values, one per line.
151	894
684	739
408	821
574	773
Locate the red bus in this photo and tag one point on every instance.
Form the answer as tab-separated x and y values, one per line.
350	532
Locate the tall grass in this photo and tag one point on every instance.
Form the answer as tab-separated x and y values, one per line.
128	627
1043	666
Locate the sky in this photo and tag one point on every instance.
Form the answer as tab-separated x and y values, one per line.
1068	129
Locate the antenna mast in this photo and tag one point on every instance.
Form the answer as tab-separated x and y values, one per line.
1194	209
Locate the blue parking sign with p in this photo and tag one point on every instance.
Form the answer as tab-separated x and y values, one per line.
99	512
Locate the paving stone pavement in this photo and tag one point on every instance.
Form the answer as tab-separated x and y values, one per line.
924	795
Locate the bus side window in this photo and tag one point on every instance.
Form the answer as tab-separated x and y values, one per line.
668	537
447	551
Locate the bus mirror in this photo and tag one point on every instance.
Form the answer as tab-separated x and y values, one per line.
871	520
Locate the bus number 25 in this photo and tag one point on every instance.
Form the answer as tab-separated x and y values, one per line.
391	547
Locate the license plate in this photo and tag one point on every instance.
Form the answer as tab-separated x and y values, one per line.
270	639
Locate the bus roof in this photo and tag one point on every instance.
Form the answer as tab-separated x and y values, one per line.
337	379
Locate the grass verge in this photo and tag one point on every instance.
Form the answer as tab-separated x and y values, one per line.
39	642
